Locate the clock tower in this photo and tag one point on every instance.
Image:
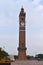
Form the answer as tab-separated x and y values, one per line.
22	39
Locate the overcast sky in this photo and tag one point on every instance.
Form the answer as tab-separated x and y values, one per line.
9	25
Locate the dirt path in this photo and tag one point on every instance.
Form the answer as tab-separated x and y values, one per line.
32	62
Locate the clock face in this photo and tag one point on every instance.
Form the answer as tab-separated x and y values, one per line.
22	23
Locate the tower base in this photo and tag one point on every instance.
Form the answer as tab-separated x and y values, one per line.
22	54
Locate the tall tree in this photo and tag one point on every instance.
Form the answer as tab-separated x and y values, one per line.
3	54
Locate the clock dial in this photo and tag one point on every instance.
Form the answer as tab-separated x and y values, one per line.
22	23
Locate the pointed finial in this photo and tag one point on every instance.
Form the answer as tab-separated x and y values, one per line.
22	9
22	6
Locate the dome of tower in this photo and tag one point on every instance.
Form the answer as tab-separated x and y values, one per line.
22	9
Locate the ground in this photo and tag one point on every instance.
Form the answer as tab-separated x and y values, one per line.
28	62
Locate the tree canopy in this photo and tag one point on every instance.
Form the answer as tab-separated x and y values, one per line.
39	56
3	54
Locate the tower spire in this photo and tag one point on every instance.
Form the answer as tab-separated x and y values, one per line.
22	6
22	40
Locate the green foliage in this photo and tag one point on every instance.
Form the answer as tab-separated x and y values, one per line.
30	57
39	56
15	56
3	54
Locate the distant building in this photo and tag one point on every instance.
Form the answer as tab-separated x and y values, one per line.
10	57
